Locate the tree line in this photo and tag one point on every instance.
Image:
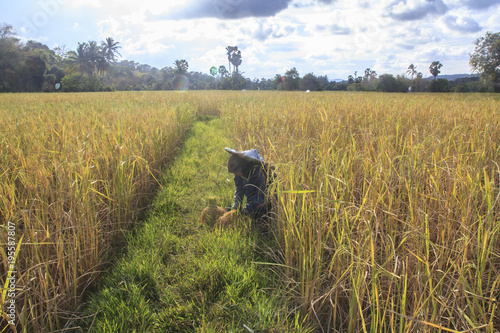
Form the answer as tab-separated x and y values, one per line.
34	67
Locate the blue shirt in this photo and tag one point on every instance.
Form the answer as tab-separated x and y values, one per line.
254	188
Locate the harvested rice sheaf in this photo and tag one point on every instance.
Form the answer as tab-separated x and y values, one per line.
232	219
211	213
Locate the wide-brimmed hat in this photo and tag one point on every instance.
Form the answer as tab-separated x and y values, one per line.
251	156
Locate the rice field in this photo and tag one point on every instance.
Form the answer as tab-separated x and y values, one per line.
388	206
75	172
387	218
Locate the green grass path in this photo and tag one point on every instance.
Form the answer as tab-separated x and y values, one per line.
180	276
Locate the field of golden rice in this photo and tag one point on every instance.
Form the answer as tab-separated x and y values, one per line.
387	218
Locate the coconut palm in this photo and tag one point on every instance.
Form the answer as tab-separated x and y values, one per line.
94	53
80	59
103	66
110	49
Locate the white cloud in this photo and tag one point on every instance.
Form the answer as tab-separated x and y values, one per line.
261	29
411	10
481	4
122	7
461	24
140	47
324	37
491	22
85	3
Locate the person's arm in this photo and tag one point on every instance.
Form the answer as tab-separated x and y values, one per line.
255	190
238	194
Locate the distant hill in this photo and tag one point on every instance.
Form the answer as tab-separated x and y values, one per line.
449	77
452	77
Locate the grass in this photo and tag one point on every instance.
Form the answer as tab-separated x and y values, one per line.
182	276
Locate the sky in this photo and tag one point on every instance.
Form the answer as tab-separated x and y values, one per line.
324	37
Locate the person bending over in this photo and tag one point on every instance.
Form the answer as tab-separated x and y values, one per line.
252	181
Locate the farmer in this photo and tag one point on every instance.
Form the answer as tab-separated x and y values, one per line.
252	179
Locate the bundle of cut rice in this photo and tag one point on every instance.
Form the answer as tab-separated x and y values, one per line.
232	219
211	213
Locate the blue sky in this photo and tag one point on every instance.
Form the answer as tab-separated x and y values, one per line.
325	37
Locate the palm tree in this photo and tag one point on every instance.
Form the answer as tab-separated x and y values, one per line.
181	66
94	53
234	57
103	64
367	74
110	49
370	75
80	59
223	71
434	69
230	50
357	79
412	70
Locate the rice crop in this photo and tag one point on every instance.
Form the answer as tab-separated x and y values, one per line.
388	214
76	170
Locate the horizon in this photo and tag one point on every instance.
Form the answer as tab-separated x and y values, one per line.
325	37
